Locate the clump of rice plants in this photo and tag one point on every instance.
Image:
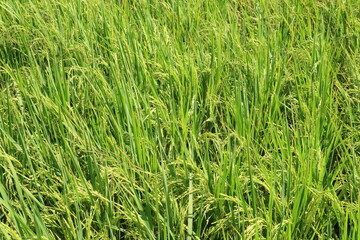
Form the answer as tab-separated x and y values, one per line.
179	119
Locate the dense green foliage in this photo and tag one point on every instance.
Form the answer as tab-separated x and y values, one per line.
179	119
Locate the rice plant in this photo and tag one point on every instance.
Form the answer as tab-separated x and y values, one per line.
188	119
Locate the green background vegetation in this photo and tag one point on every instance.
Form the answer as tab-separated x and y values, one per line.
174	119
